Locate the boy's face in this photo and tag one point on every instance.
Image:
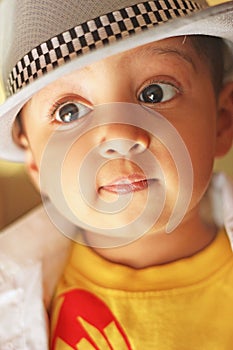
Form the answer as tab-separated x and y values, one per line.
166	76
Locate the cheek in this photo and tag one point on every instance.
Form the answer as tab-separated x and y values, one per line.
38	141
200	143
196	124
200	140
166	159
77	164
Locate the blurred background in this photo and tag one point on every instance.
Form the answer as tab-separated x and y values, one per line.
18	196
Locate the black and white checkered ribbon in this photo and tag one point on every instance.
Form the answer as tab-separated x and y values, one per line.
93	34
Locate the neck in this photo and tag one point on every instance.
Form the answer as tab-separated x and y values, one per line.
156	248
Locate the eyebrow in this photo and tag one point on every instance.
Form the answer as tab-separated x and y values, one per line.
168	50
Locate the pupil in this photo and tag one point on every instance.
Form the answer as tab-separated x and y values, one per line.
69	112
153	94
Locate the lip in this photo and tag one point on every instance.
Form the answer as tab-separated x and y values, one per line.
128	184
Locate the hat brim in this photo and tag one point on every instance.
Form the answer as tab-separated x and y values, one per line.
213	21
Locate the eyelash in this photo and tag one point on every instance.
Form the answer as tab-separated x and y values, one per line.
168	80
163	81
55	107
57	104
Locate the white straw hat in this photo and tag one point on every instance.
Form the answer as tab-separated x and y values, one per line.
43	40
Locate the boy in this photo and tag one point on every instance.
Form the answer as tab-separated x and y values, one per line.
123	145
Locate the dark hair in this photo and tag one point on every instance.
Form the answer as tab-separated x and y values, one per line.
212	50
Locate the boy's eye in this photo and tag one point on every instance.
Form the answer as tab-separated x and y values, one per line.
69	112
157	93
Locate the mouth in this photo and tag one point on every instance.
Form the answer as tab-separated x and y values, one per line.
128	184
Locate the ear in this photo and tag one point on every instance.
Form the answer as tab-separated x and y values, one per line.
31	166
224	130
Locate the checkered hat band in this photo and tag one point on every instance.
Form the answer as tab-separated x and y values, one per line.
94	34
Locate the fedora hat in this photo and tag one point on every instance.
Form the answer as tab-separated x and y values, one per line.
43	40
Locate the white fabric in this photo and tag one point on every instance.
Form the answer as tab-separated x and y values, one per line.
32	257
23	321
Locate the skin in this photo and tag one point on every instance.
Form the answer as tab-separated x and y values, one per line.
203	121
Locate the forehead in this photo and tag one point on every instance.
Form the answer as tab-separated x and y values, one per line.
177	48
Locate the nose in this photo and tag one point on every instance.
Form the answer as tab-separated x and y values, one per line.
123	145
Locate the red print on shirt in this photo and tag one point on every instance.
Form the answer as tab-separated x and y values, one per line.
82	311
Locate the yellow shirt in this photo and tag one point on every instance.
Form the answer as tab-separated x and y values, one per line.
184	305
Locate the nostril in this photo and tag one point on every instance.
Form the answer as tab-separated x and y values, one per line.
137	148
110	151
107	151
121	147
